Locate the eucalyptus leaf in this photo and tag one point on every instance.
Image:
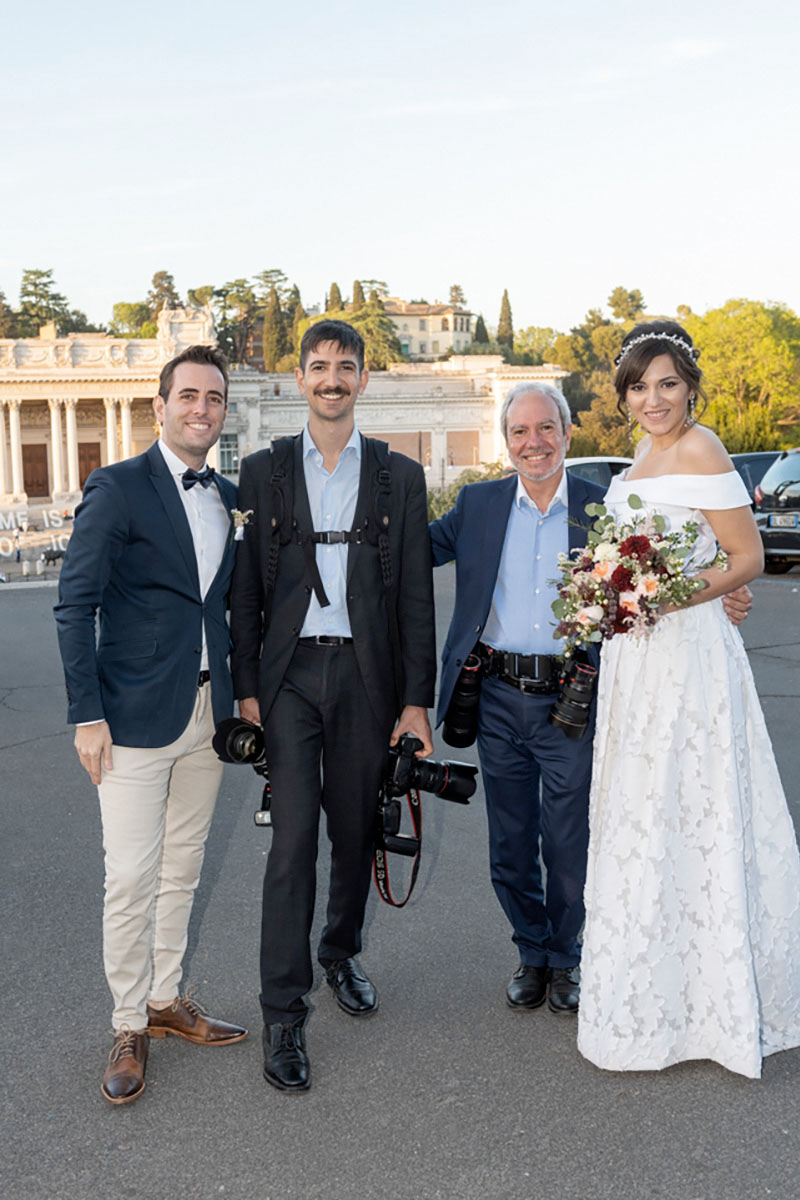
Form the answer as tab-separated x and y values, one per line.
595	636
634	501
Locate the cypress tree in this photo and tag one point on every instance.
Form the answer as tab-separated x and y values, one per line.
274	341
358	296
481	334
334	299
505	328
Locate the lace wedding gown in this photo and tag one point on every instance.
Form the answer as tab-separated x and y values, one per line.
692	940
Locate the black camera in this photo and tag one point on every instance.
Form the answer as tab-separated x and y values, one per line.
237	741
572	708
450	780
460	726
406	775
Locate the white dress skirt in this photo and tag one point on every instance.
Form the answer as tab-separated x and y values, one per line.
692	940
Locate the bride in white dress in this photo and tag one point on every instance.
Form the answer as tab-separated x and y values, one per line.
692	940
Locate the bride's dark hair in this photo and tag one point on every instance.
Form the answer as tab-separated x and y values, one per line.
644	343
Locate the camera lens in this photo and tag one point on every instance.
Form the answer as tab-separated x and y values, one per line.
236	741
572	708
451	780
461	719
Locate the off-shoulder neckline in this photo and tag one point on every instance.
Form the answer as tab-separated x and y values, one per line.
675	475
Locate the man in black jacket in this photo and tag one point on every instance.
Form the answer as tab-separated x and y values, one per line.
334	653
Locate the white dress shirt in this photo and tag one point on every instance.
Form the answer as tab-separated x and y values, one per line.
209	524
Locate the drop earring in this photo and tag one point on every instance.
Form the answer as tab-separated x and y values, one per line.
690	418
630	424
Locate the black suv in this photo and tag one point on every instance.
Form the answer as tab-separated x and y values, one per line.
752	467
778	512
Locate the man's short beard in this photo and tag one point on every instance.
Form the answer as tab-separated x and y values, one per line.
541	478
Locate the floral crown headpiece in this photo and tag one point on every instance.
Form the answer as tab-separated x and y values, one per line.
691	351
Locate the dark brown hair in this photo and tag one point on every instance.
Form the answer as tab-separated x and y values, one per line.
348	340
633	365
206	355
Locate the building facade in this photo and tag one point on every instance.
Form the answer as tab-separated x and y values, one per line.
428	331
71	404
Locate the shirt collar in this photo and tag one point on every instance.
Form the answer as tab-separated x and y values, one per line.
176	465
353	444
522	498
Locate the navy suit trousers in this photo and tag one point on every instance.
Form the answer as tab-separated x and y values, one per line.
536	781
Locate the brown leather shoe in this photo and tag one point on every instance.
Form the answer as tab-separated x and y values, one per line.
188	1019
123	1079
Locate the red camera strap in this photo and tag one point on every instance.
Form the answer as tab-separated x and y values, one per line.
380	865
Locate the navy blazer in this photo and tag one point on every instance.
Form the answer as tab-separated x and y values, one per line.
131	558
473	533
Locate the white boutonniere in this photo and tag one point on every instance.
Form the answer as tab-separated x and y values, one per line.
240	519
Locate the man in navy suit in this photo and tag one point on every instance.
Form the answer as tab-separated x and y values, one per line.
505	536
152	553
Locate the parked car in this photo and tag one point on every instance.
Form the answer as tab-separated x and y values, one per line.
778	512
597	470
752	466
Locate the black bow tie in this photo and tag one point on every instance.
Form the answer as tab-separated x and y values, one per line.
190	477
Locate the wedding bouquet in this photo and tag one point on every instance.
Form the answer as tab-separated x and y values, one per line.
626	572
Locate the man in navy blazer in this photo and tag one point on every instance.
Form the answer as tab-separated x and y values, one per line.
505	536
151	554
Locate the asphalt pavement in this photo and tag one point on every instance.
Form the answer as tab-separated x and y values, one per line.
443	1093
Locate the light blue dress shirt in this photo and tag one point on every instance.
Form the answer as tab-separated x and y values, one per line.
521	619
332	500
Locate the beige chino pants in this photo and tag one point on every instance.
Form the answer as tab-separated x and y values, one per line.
156	807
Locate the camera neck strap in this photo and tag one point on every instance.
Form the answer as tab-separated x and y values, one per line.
380	863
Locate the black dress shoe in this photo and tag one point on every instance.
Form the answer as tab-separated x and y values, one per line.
286	1064
565	989
527	988
353	991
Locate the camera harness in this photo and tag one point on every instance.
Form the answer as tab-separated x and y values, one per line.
376	533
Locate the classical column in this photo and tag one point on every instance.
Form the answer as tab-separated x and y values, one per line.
111	429
56	449
127	432
3	472
17	473
73	471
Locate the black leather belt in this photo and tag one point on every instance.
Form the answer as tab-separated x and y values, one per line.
534	674
322	639
203	678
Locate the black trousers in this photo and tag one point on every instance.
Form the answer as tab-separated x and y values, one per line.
325	750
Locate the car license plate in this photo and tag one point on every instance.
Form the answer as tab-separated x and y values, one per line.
783	521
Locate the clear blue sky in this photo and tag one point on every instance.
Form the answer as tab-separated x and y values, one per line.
556	150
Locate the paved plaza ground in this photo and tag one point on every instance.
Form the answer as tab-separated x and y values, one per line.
444	1093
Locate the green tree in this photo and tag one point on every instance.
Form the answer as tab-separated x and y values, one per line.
242	310
272	278
440	502
457	296
39	302
481	333
375	285
381	344
162	294
750	356
534	345
8	319
274	341
505	326
200	296
602	430
626	306
335	302
358	296
127	318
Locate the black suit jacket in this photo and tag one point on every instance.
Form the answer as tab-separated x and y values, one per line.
473	533
131	558
262	650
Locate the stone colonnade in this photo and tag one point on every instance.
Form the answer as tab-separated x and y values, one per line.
65	474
